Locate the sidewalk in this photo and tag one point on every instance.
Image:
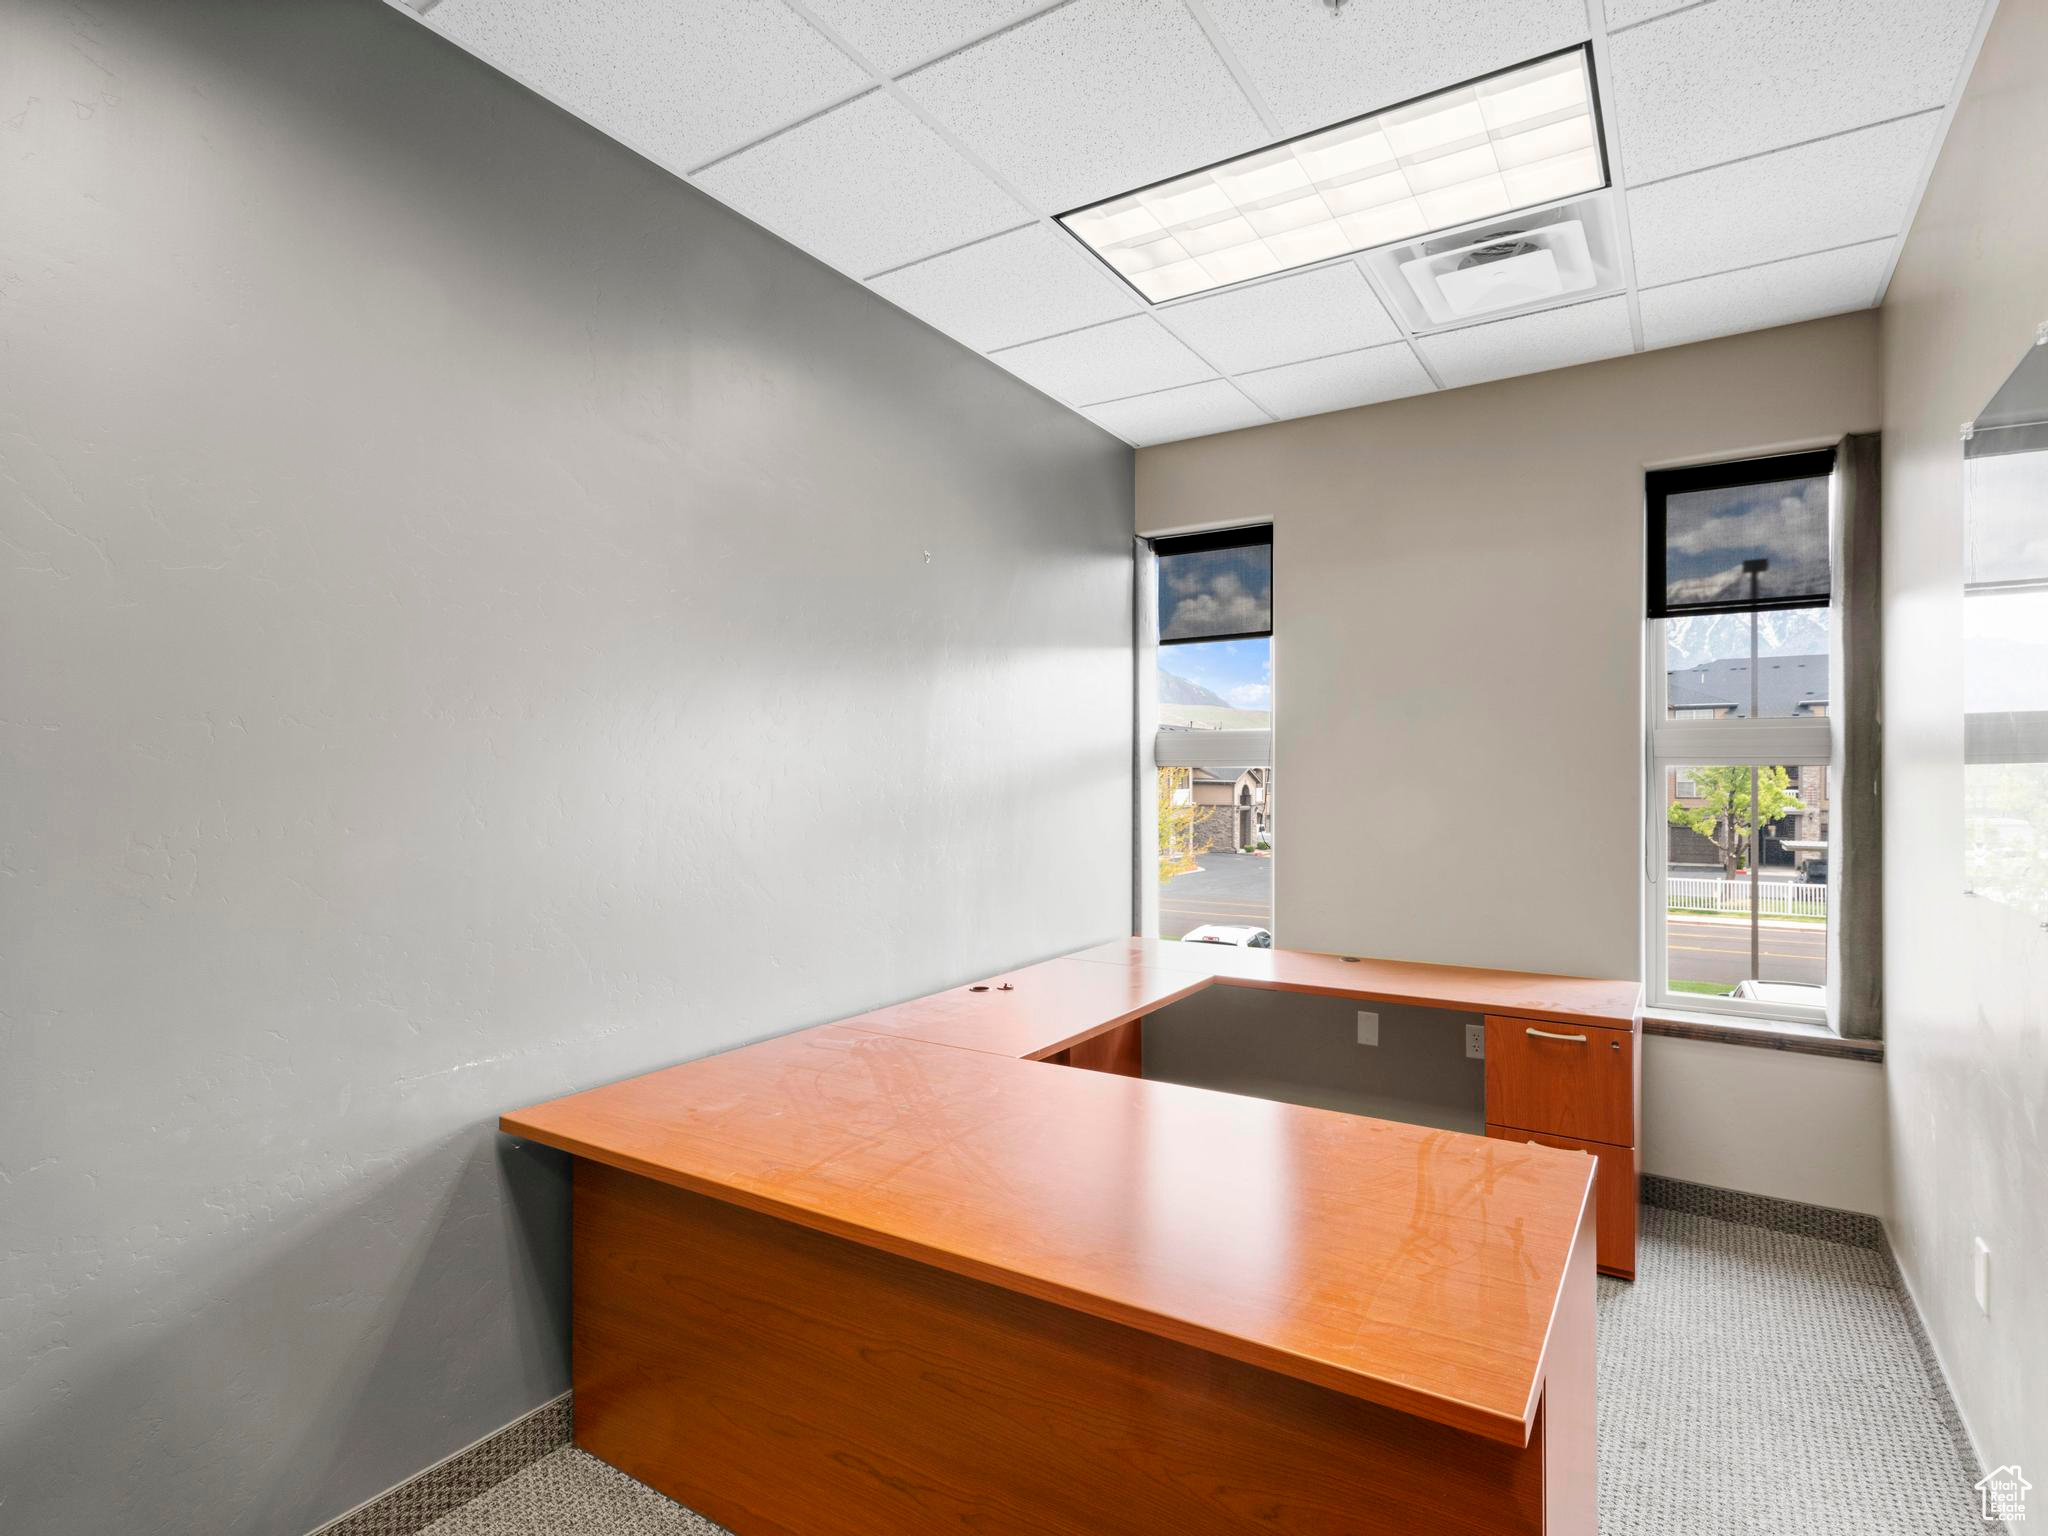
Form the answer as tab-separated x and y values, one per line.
1681	915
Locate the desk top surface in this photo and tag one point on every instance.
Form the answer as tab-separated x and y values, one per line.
1525	994
1411	1267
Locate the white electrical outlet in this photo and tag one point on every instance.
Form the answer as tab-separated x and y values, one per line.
1475	1041
1981	1276
1368	1028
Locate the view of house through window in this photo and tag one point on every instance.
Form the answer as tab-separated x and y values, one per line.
1215	786
1216	819
1740	814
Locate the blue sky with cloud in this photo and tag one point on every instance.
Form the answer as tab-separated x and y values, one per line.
1241	671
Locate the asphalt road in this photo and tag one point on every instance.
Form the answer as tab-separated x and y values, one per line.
1228	888
1719	952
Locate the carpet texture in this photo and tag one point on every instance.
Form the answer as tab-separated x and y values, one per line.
1756	1381
1751	1381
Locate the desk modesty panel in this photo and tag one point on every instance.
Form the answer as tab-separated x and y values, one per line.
1413	1268
788	1383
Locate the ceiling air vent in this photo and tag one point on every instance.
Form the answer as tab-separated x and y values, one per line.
1510	266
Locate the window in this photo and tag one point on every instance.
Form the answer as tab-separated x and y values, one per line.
1213	669
1740	666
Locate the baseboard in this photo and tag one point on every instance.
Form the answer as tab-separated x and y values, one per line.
1952	1418
1852	1229
426	1496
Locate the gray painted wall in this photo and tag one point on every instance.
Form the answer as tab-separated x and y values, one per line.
465	634
1966	981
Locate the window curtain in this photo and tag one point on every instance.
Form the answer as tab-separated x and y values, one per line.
1856	873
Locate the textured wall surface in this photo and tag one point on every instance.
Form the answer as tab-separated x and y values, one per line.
1457	682
1966	981
465	634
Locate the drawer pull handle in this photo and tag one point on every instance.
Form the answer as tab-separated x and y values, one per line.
1544	1034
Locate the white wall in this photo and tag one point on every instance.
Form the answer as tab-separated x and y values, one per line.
1966	981
465	634
1799	1127
1458	589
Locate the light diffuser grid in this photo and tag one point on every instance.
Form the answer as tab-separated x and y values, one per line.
1525	136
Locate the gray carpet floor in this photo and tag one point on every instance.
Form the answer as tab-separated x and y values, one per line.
1750	1381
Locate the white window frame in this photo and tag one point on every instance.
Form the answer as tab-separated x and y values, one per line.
1799	742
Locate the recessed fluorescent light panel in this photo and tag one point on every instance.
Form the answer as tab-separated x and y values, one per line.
1523	137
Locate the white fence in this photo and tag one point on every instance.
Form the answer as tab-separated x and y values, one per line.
1774	898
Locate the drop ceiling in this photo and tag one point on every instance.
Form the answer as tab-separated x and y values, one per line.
1766	158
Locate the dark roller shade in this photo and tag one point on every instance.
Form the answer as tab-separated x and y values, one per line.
1215	586
1734	538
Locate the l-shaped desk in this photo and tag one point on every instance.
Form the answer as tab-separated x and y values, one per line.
904	1274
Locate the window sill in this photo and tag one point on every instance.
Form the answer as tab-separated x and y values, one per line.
1766	1034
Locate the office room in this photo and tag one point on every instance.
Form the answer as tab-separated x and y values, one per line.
1093	767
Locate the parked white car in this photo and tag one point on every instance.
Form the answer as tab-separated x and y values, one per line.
1782	993
1229	933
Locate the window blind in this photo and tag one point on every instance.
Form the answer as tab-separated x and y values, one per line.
2005	482
1215	586
1740	537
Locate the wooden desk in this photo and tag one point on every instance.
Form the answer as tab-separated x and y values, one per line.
1563	1058
895	1275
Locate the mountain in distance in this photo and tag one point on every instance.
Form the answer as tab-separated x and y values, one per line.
1179	690
1702	637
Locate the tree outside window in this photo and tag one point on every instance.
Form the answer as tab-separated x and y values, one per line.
1723	812
1179	844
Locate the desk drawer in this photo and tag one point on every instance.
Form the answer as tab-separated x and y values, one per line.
1614	1196
1561	1079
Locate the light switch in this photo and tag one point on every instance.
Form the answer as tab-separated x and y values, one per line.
1368	1028
1981	1276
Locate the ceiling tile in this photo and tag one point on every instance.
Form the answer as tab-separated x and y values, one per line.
1756	298
1105	362
1855	187
1628	13
1550	338
1338	383
1016	287
1313	68
895	34
1738	77
679	83
1332	309
1193	411
1092	99
865	187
